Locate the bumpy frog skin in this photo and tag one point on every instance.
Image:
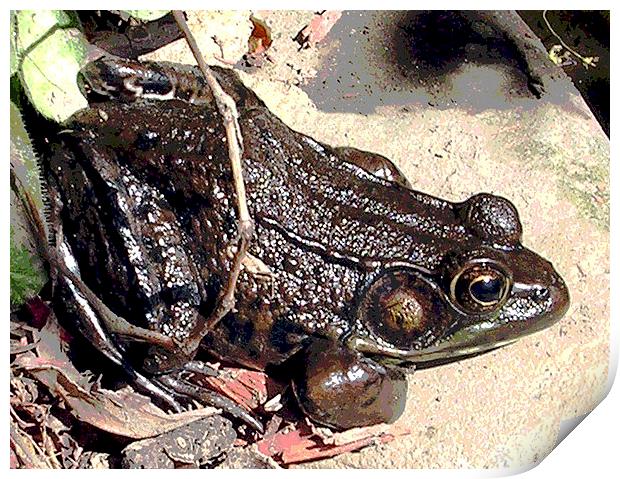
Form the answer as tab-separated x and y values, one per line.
359	274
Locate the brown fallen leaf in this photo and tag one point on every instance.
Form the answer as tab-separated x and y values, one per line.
123	412
26	451
260	38
13	461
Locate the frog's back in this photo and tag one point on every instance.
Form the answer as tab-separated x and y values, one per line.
324	228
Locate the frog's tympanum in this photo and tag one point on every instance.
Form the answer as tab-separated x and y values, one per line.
351	274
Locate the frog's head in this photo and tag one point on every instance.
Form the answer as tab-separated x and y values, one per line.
484	293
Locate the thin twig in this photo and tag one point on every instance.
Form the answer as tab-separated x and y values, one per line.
586	61
227	108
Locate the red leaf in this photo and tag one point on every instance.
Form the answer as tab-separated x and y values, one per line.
39	311
260	38
247	388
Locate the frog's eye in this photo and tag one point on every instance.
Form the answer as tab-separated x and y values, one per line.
480	288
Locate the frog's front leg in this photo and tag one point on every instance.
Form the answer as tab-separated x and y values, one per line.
183	378
343	389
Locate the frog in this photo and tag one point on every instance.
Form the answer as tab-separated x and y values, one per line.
351	280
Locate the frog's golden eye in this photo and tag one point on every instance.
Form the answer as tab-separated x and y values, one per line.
480	288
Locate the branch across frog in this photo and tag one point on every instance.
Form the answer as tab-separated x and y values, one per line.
367	275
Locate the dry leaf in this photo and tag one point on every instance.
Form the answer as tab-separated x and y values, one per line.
260	38
302	442
247	388
122	412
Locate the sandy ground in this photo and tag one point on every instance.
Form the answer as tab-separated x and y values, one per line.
474	129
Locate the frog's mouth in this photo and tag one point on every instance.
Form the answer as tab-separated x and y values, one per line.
461	346
439	354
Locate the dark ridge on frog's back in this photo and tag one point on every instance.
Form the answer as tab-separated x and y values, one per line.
305	188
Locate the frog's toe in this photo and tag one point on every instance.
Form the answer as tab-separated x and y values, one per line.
191	390
200	367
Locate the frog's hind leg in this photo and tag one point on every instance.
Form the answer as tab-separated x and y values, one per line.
92	328
342	389
67	282
179	382
90	312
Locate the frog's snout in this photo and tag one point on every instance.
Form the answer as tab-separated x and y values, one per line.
538	289
558	297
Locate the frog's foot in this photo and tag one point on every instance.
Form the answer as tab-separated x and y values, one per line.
342	389
179	382
91	327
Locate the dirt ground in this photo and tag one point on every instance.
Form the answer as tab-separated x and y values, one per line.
455	129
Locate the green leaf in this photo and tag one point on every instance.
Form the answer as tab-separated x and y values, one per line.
24	159
13	46
26	279
48	51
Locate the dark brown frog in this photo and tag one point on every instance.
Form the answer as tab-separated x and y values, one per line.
350	276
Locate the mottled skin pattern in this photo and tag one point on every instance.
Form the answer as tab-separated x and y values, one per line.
146	258
363	272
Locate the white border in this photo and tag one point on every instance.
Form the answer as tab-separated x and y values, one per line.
593	448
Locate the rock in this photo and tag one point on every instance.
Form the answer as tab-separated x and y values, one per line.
246	458
193	445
